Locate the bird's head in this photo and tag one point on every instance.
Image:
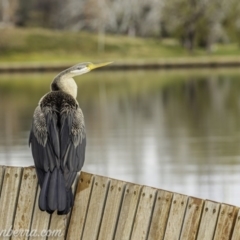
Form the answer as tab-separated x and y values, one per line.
82	68
64	80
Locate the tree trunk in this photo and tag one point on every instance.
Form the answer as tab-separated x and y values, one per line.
190	39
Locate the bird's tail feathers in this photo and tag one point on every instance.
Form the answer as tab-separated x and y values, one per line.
54	195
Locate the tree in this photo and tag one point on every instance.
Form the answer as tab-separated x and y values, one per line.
231	22
8	10
194	22
135	17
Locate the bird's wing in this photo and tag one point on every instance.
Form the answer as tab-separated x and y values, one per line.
73	142
44	140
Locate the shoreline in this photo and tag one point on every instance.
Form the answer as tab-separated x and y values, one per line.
182	64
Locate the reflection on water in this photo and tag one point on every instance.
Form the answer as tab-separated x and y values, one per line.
178	131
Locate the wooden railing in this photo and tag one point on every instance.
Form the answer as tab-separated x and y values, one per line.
106	208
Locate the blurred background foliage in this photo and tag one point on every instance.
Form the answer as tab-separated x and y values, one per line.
161	28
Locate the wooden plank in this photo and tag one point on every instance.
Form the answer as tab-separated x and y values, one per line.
160	215
26	201
9	196
80	206
236	229
96	207
2	169
192	218
144	212
208	220
226	218
40	221
58	226
112	209
176	216
128	210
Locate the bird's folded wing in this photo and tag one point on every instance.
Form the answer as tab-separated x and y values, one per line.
44	148
73	143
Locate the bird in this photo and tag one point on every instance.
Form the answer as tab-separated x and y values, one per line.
58	140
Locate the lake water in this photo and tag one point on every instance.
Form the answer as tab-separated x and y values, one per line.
174	130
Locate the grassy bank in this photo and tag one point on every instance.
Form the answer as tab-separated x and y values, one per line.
46	46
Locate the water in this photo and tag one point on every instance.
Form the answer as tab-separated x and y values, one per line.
174	130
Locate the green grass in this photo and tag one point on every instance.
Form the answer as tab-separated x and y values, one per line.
48	46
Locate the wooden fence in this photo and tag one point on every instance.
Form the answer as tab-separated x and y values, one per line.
106	208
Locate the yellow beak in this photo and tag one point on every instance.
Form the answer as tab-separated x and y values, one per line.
92	66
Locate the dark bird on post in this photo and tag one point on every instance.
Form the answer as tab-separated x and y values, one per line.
58	140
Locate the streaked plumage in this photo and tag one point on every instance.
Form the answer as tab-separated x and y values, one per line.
58	140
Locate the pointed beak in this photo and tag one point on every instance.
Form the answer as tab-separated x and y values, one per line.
92	66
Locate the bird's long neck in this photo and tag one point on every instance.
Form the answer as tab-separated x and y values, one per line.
66	84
